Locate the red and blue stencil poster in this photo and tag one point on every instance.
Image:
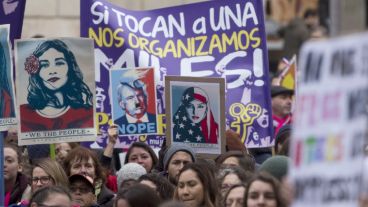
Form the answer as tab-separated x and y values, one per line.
210	39
133	100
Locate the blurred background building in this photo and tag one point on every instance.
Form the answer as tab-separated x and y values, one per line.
60	18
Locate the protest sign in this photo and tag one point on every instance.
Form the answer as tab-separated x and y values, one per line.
195	113
288	76
330	125
134	100
55	90
223	39
7	108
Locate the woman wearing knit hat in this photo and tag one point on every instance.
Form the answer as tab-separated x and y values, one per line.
129	174
277	166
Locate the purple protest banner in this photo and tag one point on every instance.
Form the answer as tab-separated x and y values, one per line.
210	39
12	12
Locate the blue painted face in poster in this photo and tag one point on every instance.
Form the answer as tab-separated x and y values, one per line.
57	96
194	121
6	102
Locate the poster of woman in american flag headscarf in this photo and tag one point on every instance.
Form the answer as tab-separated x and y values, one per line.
195	112
194	121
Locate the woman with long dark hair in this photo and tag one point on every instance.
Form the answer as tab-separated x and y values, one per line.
196	186
143	154
57	96
263	190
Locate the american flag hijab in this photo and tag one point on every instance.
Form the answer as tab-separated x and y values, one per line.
185	130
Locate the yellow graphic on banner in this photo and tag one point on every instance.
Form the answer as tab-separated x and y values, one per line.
244	116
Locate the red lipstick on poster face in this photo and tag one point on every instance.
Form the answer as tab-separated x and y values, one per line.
195	117
53	80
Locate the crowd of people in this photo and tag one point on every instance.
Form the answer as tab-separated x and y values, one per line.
79	176
177	176
83	177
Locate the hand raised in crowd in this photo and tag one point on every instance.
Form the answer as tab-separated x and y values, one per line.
113	133
112	138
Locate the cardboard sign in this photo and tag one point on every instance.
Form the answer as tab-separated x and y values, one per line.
330	125
55	90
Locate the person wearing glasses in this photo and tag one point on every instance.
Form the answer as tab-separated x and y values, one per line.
47	172
81	160
82	190
132	98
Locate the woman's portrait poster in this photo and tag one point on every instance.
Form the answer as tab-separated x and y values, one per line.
55	90
133	100
7	107
195	113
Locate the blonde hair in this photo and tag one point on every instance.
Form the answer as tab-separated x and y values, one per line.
54	170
